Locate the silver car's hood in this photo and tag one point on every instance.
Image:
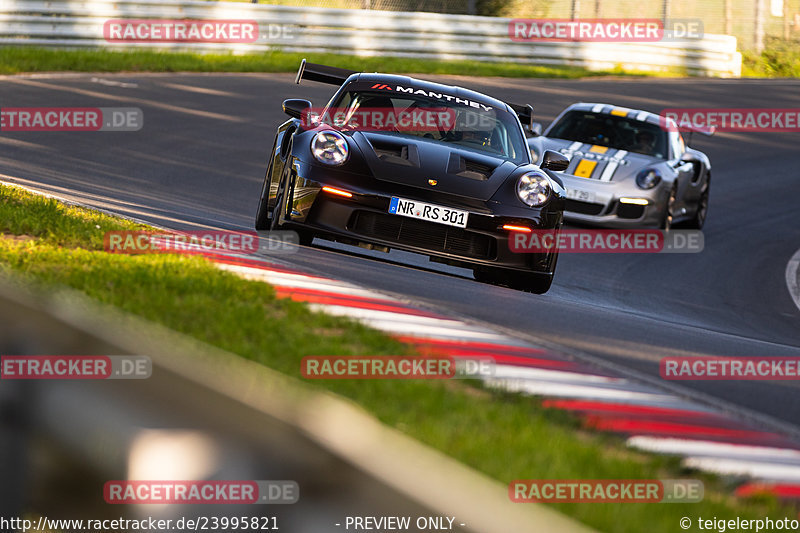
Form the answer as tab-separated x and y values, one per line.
596	162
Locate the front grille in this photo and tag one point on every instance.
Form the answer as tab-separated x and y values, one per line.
630	211
583	208
423	234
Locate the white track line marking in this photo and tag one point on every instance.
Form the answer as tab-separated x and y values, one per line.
505	371
673	446
114	83
377	314
544	388
300	281
754	469
409	324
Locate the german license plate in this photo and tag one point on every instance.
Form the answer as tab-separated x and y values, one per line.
429	212
582	196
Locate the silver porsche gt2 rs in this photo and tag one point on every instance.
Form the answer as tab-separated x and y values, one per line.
628	168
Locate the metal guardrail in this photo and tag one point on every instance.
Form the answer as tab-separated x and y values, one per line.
79	24
225	418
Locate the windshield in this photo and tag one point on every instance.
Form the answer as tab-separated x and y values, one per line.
483	129
617	132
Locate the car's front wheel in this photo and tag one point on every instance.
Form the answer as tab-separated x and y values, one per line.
279	211
669	209
699	219
262	215
262	219
282	202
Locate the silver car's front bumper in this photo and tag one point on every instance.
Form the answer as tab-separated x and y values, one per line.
597	203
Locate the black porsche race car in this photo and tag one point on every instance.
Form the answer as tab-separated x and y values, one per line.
396	162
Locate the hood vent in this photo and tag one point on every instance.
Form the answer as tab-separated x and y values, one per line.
398	154
468	168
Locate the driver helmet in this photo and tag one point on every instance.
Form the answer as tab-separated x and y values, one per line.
645	139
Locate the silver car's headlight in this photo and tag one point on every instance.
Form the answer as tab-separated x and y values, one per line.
648	178
534	189
330	147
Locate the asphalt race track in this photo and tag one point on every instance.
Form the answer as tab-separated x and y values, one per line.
200	160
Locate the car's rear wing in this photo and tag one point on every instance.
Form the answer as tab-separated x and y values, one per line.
670	124
525	114
323	73
708	132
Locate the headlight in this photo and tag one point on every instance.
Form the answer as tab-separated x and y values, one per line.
330	147
648	178
534	189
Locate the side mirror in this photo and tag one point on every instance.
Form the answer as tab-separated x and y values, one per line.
689	157
536	128
295	107
554	161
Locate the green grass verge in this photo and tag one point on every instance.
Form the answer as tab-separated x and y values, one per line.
780	59
506	436
14	60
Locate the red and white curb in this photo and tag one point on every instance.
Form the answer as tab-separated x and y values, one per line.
656	421
653	420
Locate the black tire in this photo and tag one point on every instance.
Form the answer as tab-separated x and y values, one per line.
281	201
263	214
669	209
699	218
279	211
